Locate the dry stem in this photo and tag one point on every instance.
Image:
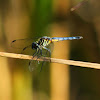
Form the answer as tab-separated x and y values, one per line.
54	60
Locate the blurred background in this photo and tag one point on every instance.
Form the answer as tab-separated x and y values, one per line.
53	18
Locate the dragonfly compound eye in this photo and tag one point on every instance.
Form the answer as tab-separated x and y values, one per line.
34	46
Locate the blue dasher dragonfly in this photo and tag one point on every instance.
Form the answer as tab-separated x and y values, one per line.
39	46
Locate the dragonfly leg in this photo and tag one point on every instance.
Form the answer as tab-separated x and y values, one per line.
39	54
31	69
43	61
48	50
42	66
36	53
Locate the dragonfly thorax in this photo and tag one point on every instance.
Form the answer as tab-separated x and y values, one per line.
43	42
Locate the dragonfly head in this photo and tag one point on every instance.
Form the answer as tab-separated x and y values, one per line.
34	45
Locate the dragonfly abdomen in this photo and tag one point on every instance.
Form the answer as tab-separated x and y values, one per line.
66	38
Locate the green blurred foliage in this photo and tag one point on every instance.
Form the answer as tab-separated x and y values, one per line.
41	17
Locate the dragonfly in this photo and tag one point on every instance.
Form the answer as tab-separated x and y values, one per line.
39	45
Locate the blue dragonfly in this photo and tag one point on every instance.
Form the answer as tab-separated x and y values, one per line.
39	46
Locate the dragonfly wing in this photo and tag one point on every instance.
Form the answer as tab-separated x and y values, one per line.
51	47
21	43
46	52
33	65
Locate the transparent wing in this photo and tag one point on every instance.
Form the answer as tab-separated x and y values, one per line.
34	64
51	47
21	43
48	50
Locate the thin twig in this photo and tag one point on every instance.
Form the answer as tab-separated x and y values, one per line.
54	60
78	5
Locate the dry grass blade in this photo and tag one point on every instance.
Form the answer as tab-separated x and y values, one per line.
54	60
79	5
